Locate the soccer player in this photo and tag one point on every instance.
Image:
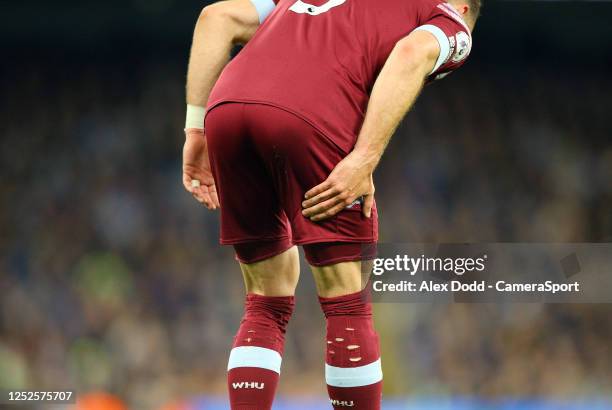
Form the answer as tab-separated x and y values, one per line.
284	140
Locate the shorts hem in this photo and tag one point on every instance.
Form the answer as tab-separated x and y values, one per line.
264	257
341	259
247	240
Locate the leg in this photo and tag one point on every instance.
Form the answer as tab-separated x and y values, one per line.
276	276
253	221
255	360
352	366
298	157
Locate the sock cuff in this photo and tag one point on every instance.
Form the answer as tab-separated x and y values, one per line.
265	321
354	304
278	308
277	300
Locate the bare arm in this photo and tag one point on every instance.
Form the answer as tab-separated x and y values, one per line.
219	27
395	91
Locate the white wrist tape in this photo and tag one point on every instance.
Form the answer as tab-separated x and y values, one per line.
195	117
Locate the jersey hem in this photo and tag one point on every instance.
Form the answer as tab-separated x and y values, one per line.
352	239
364	239
280	107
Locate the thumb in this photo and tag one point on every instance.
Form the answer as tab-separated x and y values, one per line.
187	183
368	203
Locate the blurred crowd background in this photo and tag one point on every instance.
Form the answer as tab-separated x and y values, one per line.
111	276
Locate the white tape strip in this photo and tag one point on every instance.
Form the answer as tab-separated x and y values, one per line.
253	356
195	117
353	376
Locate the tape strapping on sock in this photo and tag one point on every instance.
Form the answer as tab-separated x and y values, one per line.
353	376
253	356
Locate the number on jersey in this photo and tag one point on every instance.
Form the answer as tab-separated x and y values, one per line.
304	8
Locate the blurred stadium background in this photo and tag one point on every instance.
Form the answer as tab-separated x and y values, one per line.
111	279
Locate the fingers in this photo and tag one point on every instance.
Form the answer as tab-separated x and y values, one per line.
329	207
215	199
204	194
323	196
368	204
321	199
201	196
208	196
322	207
331	197
322	187
330	212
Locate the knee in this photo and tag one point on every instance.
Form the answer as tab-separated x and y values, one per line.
338	268
273	276
338	280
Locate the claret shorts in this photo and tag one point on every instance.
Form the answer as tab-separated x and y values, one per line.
264	159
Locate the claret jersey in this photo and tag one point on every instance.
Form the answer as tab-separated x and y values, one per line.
319	60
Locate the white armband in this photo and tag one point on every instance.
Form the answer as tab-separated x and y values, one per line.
264	8
195	117
445	47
